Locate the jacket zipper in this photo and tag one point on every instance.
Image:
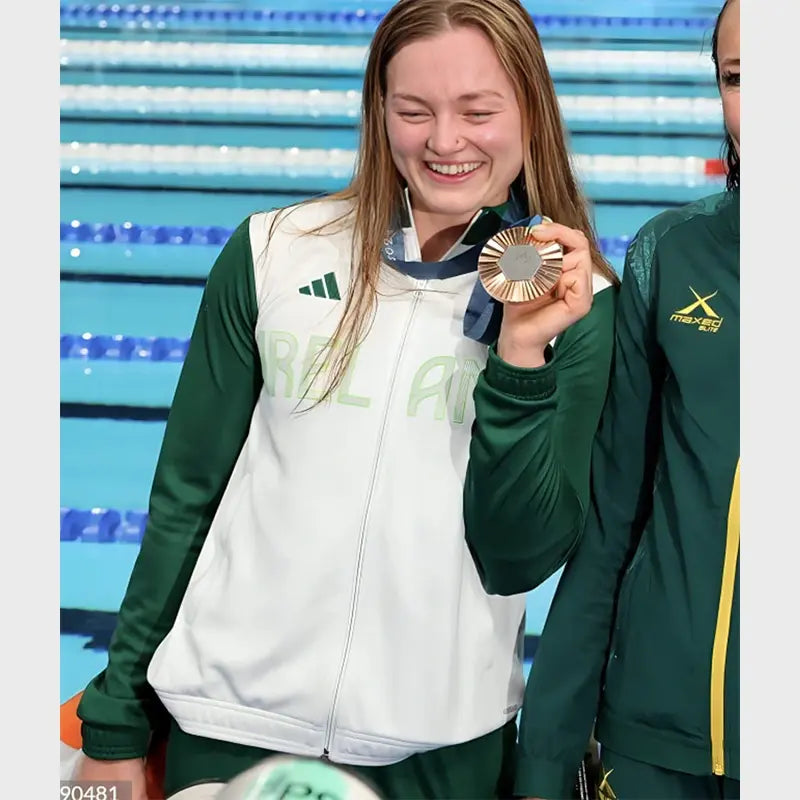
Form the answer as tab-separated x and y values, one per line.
363	531
720	651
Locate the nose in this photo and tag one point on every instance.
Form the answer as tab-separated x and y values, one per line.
445	136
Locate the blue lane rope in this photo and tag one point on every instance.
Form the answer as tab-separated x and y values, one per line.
129	233
361	19
117	347
102	525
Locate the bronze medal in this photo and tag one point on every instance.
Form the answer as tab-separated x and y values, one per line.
516	268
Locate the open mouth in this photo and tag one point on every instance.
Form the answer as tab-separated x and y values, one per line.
451	171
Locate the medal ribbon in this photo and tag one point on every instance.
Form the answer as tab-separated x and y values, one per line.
483	315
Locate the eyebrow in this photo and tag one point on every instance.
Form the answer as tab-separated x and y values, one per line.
465	97
730	62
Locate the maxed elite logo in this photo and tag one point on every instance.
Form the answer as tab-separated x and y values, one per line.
699	313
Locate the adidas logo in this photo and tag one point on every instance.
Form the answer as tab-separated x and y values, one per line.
325	287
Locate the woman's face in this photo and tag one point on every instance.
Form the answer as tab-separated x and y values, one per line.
454	124
728	64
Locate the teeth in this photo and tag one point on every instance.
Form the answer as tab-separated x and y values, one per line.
454	169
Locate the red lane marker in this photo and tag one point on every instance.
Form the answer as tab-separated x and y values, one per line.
715	166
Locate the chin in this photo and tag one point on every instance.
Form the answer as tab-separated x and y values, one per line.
465	204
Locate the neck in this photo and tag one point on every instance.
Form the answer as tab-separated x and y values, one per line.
437	233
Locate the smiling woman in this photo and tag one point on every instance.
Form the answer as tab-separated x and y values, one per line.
368	460
456	141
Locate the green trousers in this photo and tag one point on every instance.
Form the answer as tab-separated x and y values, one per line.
482	769
635	780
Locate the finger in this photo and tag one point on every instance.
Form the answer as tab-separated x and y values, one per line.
576	283
576	259
566	284
567	237
581	295
581	266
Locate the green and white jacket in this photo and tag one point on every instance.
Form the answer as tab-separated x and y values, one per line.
346	580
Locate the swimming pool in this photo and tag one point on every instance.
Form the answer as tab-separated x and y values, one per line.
179	121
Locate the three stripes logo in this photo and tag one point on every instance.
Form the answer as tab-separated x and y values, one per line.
324	287
708	322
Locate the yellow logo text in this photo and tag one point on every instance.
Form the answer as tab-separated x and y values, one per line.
708	321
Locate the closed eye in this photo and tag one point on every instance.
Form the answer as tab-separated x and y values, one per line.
731	78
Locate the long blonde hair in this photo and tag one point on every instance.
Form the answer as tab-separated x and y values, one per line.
375	192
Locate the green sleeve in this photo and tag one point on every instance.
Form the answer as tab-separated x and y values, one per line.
527	482
207	426
563	690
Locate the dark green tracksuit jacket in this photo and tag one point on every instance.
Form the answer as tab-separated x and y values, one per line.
643	631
